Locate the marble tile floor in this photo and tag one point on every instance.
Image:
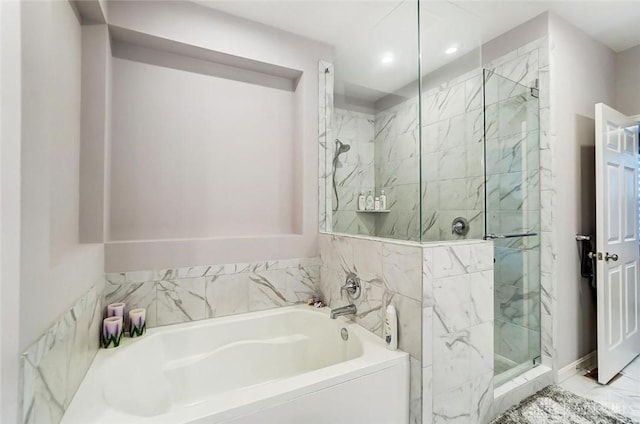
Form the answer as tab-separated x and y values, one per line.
621	395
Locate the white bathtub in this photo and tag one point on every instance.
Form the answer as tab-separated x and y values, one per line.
287	365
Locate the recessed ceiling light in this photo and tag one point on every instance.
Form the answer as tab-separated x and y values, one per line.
387	58
451	50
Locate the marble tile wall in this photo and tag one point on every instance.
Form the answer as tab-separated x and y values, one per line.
178	295
457	329
54	366
452	152
390	273
354	171
397	170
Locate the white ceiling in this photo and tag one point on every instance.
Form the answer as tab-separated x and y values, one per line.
362	31
613	23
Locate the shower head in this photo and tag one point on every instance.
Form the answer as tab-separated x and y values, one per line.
341	147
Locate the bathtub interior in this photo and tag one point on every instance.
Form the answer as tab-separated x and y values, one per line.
189	365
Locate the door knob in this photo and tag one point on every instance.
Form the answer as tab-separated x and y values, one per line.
613	257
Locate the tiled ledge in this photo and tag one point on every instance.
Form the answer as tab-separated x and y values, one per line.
208	270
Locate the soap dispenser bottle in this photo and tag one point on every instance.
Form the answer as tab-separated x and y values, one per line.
370	202
383	201
391	328
361	201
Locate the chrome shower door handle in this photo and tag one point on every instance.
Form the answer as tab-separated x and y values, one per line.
506	236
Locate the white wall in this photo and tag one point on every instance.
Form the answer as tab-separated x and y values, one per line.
628	81
61	107
95	130
9	208
199	27
197	156
582	73
55	269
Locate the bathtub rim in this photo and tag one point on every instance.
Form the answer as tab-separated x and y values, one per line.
375	358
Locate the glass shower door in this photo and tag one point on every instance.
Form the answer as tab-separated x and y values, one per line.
512	220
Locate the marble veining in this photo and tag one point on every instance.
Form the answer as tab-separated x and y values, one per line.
383	282
354	170
53	367
458	313
458	329
215	290
180	300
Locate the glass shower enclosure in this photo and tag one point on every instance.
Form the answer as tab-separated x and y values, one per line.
512	214
408	110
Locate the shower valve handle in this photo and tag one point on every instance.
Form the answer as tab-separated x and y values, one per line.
351	286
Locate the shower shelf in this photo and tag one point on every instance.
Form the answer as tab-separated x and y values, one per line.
380	211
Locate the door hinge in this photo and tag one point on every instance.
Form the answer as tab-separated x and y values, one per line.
535	91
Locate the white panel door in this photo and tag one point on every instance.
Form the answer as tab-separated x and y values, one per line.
617	240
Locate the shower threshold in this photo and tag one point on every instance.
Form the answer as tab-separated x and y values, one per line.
506	370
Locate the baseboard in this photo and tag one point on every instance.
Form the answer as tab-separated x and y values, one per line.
587	362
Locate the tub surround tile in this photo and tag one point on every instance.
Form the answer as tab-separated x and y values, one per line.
53	367
329	287
341	255
401	269
215	290
268	290
409	322
302	282
370	307
180	300
227	295
86	339
135	295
